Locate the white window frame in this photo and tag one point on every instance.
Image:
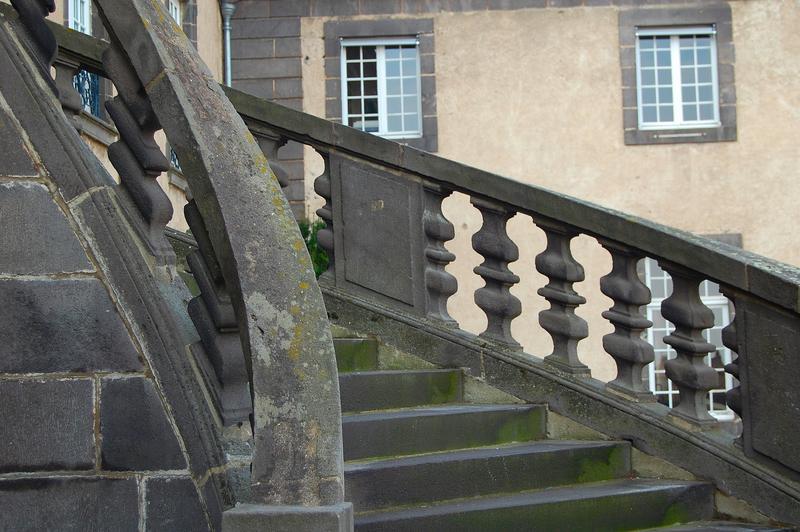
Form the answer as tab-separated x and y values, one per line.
175	10
79	15
715	301
674	33
380	44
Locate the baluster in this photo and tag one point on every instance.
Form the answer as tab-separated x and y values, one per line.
630	351
136	156
322	186
439	283
565	327
219	353
270	143
689	371
68	95
32	14
498	250
730	340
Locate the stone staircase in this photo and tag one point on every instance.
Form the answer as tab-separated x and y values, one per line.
418	456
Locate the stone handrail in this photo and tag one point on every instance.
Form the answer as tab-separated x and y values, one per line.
258	287
377	190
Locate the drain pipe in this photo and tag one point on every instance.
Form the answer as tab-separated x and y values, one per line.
227	10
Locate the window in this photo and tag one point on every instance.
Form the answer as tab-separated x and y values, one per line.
79	15
381	87
660	283
174	8
677	65
676	76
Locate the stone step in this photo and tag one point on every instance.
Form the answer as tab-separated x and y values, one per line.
442	428
356	354
719	526
373	390
605	506
473	472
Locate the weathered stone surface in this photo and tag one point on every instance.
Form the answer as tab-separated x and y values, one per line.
174	504
36	237
256	518
137	436
46	426
78	504
15	160
62	325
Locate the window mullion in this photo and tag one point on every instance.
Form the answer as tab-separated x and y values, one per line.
343	77
380	55
677	93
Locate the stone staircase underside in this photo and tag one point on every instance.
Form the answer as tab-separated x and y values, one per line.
419	456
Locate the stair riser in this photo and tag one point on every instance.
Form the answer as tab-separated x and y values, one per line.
371	489
356	354
414	435
385	390
621	512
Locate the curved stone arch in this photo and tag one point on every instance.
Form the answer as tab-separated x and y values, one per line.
278	304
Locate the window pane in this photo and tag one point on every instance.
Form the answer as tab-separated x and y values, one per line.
648	96
662	43
687	41
664	76
393	105
351	52
665	95
355	121
409	85
410	67
704	75
392	52
666	114
690	112
408	51
687	75
395	123
705	93
649	113
410	104
370	69
411	122
392	68
370	88
354	107
648	76
646	43
704	56
354	88
687	57
392	87
371	106
646	59
707	111
368	52
353	70
688	94
704	41
663	58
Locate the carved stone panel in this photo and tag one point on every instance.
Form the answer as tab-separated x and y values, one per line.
381	219
770	374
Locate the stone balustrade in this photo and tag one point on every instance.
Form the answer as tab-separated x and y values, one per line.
377	192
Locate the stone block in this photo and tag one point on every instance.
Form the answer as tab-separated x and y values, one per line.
36	237
46	426
15	161
137	436
60	326
257	517
174	504
63	504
